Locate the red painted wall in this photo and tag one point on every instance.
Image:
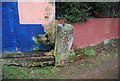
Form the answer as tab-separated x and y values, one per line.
94	31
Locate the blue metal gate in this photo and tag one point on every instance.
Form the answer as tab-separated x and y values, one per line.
16	36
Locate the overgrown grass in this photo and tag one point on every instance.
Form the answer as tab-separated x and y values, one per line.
17	72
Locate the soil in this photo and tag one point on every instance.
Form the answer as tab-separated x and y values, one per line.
97	67
106	70
103	65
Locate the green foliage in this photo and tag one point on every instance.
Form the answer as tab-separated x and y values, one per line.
82	11
81	65
86	51
89	51
17	72
112	41
73	12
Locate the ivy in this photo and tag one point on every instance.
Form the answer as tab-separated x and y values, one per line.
82	11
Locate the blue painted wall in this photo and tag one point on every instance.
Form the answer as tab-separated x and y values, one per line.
8	31
16	36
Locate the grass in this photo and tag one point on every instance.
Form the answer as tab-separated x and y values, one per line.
91	65
90	50
17	72
86	51
48	72
51	72
81	65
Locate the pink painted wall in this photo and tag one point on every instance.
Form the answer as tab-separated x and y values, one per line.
95	31
35	12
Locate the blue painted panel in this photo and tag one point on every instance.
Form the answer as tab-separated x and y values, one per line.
25	34
8	32
16	36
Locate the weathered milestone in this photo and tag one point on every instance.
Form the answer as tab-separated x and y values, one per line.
64	38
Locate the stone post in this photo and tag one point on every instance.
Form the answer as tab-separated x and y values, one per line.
64	38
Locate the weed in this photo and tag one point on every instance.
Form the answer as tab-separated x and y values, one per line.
48	67
55	69
91	65
112	41
87	51
113	53
81	65
90	52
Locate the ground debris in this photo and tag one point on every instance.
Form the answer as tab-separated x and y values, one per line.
34	59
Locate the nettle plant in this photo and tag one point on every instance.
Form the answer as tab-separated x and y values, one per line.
82	11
